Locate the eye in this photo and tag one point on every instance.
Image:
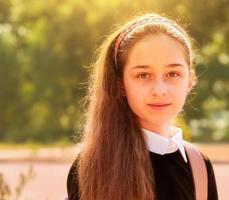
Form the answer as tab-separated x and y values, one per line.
173	74
143	75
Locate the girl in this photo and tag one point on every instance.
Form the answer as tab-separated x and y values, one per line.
131	150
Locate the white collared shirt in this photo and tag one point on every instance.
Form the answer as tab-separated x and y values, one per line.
161	145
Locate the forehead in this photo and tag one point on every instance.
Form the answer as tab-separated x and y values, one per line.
156	50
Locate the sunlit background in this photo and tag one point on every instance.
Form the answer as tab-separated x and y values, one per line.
46	48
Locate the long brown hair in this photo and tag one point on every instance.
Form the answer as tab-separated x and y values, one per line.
114	163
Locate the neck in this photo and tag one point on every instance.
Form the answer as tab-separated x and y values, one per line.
163	130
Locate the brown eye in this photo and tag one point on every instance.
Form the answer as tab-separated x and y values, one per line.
173	74
143	75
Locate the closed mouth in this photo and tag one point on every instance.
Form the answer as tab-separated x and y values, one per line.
159	106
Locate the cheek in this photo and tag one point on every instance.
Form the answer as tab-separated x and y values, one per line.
135	96
180	95
135	103
131	93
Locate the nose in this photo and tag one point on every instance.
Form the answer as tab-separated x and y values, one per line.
159	88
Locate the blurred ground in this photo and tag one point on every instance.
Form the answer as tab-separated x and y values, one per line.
50	168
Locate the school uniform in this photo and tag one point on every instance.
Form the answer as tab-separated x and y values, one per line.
172	171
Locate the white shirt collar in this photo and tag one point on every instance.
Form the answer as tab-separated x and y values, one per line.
162	145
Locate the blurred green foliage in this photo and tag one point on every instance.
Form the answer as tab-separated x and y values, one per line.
46	47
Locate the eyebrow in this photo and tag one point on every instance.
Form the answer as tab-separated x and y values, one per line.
148	66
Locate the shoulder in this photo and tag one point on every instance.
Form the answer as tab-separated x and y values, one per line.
209	165
194	148
206	159
212	186
72	181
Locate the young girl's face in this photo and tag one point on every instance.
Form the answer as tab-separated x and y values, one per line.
156	80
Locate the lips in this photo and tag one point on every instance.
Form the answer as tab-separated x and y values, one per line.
159	106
